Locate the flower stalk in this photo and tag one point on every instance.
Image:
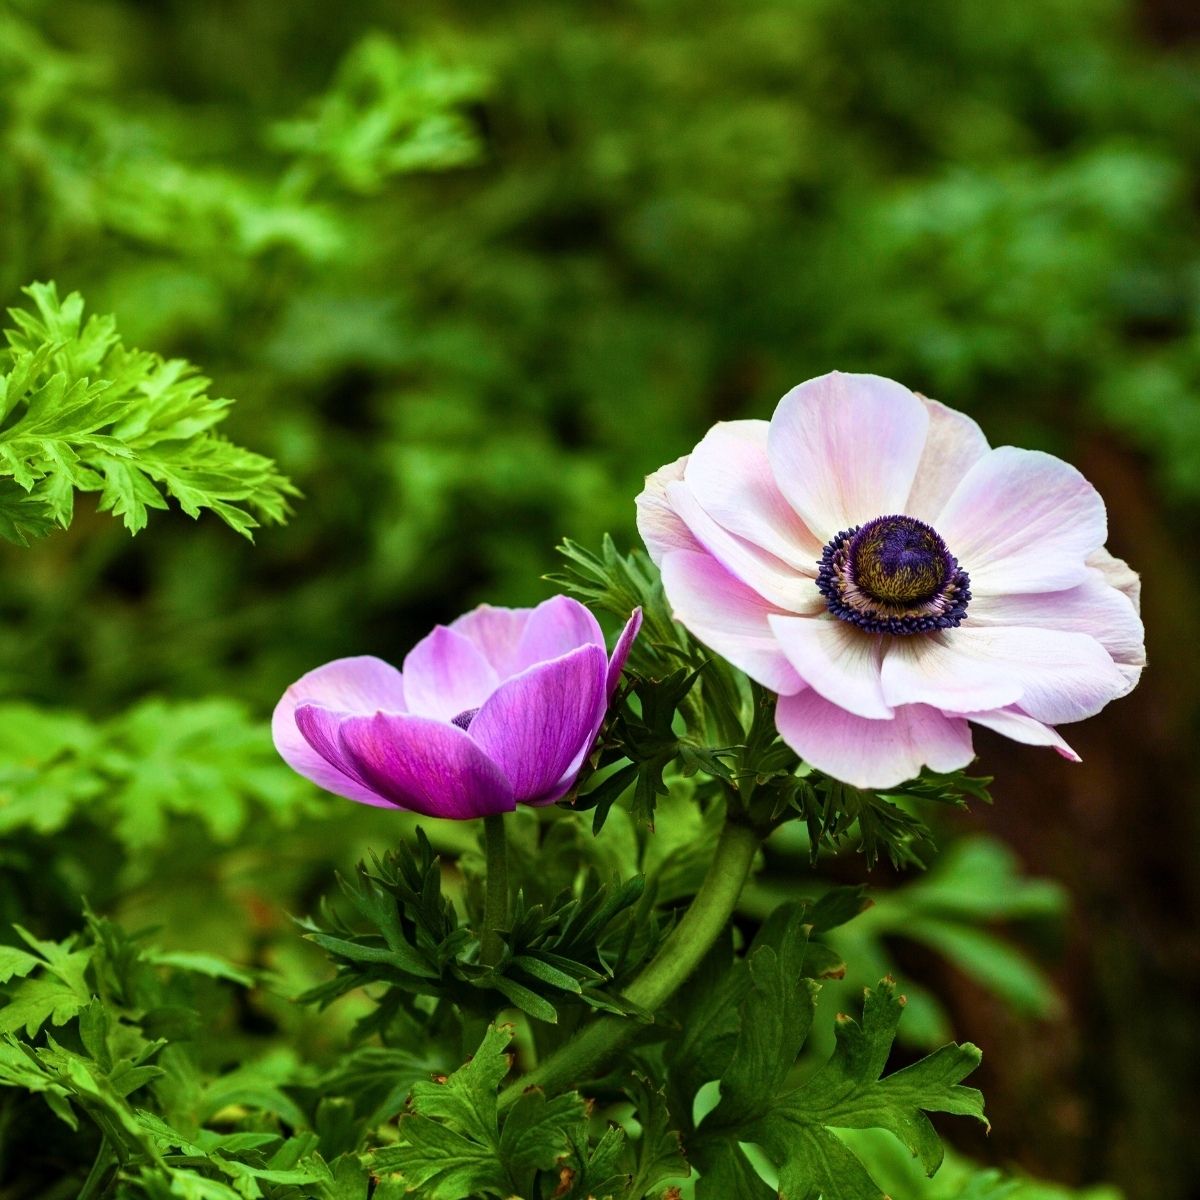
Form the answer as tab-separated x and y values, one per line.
495	901
675	961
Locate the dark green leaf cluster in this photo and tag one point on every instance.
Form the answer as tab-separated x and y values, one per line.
80	412
747	1030
397	929
455	1144
105	1029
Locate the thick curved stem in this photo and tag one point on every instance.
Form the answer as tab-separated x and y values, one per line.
495	902
676	959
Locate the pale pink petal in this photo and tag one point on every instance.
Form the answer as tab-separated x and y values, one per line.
616	663
312	750
728	617
1094	607
1119	574
535	725
954	445
347	685
1013	723
427	766
872	754
556	627
1056	677
496	632
1023	521
837	660
662	529
446	674
776	582
845	449
729	473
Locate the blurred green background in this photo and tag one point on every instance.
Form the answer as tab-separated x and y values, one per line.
472	270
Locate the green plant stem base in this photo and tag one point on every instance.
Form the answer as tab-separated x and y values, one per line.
679	956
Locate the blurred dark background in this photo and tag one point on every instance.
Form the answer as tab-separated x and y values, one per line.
471	270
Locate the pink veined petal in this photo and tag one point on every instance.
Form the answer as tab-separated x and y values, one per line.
616	663
445	674
729	473
836	660
425	765
661	527
1094	607
1023	521
776	582
955	443
1055	677
845	449
347	685
1013	723
1119	574
728	617
555	627
314	752
872	754
496	632
535	725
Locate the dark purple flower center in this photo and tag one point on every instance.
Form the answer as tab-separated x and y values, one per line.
464	718
893	575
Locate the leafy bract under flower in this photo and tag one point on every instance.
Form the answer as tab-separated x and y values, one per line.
869	557
497	709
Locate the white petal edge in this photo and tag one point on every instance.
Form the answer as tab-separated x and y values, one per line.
836	660
845	448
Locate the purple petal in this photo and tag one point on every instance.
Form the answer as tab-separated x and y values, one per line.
872	754
424	765
837	660
353	685
496	632
616	664
845	449
540	723
324	761
729	617
445	673
1023	521
556	627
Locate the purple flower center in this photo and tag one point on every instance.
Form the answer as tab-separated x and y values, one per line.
464	718
893	575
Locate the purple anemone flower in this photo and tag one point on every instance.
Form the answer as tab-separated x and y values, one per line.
499	708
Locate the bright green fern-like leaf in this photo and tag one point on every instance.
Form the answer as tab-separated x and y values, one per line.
81	412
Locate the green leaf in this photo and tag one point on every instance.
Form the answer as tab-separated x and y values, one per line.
84	413
453	1145
794	1126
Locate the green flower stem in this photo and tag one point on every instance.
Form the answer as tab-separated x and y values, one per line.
495	904
676	959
